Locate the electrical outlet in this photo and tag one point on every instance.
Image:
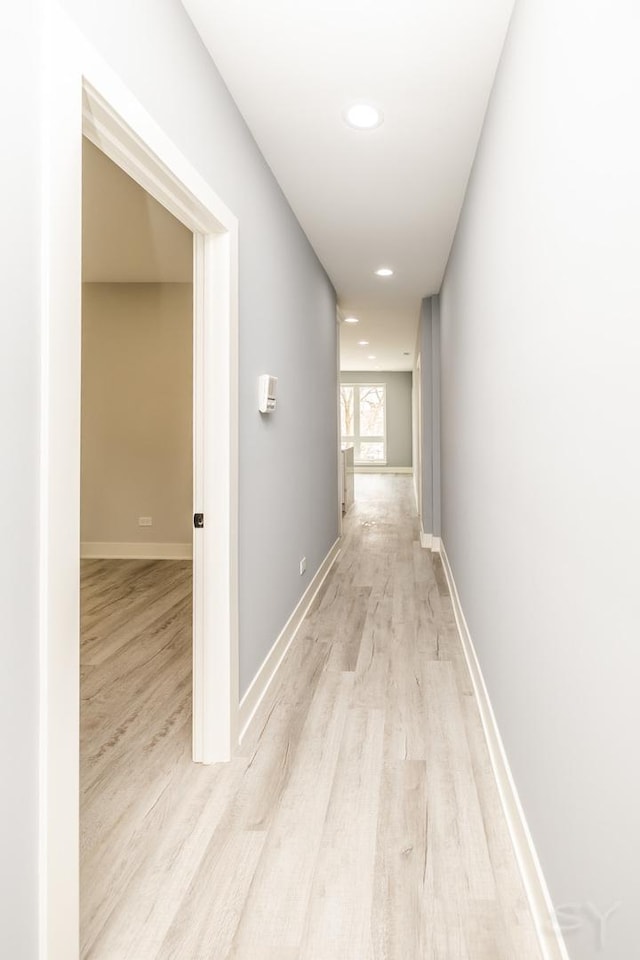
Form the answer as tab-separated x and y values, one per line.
145	521
303	565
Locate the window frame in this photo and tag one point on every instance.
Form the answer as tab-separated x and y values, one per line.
356	440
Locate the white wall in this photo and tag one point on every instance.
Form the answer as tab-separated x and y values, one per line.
541	466
19	371
137	411
288	461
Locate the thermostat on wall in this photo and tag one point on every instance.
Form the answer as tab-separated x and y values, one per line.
267	387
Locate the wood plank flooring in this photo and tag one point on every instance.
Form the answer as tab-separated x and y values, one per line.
360	822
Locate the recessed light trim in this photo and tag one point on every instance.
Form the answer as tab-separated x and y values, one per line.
371	357
363	116
384	272
363	343
351	320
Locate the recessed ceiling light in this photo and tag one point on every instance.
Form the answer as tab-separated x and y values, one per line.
371	357
351	320
363	343
384	272
363	116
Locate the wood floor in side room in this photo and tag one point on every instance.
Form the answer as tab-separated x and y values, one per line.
361	822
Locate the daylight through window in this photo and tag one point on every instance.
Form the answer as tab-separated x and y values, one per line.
363	419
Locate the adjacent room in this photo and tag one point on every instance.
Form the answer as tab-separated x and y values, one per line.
136	525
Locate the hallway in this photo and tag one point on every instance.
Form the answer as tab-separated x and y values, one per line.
362	824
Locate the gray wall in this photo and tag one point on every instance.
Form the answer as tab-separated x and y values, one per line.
287	461
428	346
540	460
399	411
435	417
19	371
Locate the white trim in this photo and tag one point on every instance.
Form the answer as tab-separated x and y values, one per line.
271	664
199	452
544	917
429	542
425	539
373	469
82	94
107	550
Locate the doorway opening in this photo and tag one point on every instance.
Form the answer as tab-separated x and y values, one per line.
136	497
143	397
377	405
84	96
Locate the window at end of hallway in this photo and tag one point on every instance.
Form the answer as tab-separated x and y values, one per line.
363	421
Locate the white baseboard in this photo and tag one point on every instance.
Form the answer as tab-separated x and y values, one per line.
429	542
96	550
363	469
269	669
546	923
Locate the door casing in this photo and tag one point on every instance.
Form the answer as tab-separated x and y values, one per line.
82	95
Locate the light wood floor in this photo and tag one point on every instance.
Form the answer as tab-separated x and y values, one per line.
362	821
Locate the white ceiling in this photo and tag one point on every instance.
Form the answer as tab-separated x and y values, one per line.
365	198
127	236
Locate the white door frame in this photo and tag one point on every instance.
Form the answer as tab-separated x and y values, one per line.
81	94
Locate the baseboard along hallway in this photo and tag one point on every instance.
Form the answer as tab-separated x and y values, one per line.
361	820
